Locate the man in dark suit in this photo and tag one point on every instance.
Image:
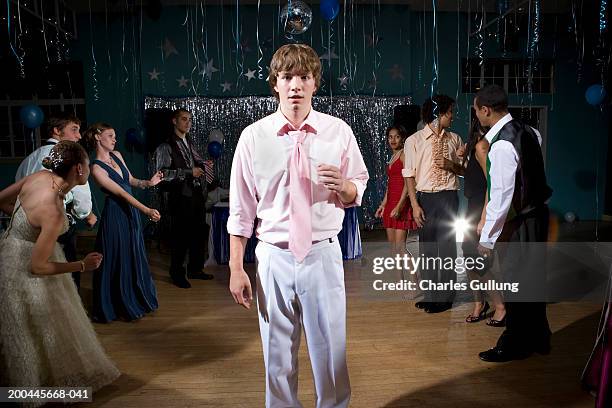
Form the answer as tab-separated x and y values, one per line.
516	220
186	176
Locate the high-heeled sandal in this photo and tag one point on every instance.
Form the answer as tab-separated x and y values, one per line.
497	323
481	316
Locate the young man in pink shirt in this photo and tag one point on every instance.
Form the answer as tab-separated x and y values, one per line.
294	172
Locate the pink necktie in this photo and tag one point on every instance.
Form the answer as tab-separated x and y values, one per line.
300	226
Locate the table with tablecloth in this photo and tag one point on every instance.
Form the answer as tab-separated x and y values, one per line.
218	239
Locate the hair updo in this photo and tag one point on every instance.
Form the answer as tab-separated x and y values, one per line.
64	156
89	136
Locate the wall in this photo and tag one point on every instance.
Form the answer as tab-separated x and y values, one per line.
178	46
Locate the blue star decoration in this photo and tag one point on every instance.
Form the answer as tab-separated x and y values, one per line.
168	48
209	69
154	75
250	74
226	86
343	81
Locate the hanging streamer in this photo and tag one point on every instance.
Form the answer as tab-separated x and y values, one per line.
96	96
376	53
533	44
110	71
259	51
8	18
458	53
601	50
434	79
239	50
480	44
191	41
579	46
603	20
125	70
44	32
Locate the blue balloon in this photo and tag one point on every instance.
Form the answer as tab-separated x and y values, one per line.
134	137
31	116
329	9
215	149
595	94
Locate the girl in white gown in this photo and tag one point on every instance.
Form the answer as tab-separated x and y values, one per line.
46	338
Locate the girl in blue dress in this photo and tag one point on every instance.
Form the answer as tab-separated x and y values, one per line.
122	286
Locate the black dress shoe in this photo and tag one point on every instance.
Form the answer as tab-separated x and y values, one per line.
200	275
422	304
543	349
438	307
500	355
181	282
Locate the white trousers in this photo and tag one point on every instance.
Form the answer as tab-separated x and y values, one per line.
308	295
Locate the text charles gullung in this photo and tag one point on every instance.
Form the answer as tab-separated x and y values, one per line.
459	265
428	285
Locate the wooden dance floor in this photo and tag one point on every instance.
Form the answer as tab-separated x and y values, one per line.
200	349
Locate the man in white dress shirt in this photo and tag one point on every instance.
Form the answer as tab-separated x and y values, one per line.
517	217
293	174
77	201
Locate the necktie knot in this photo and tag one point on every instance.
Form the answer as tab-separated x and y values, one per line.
299	135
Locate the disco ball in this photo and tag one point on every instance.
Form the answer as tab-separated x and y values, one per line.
296	17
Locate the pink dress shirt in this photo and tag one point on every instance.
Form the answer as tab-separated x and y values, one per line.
259	182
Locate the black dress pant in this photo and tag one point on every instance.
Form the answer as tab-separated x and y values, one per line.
189	233
527	326
437	242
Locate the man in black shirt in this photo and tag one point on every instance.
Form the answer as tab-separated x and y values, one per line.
186	176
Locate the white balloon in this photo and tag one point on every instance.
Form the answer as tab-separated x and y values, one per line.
569	217
215	135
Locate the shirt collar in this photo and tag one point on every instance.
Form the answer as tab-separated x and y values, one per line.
429	133
497	127
52	140
310	125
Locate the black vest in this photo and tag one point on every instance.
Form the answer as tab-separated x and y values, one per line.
189	186
530	187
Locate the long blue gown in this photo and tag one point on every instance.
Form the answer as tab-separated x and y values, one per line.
122	285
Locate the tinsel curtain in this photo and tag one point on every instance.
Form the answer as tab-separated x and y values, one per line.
367	116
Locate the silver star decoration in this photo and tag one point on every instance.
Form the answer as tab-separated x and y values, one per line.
250	74
396	72
226	86
329	55
182	82
343	80
209	69
154	75
168	48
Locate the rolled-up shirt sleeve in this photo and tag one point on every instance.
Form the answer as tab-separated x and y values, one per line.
409	169
81	202
353	169
243	193
504	163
